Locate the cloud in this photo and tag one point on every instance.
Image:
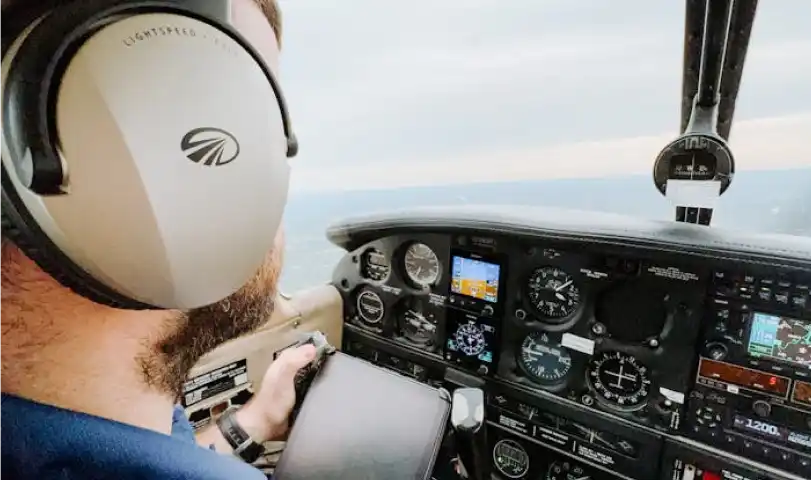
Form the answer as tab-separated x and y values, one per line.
382	89
763	144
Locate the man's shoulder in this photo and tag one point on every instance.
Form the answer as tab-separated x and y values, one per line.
41	441
181	428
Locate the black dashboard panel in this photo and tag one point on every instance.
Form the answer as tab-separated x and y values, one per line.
600	341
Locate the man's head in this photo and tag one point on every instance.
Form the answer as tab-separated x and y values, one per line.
39	313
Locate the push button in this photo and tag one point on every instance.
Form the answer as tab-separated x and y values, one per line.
745	292
781	297
800	299
765	294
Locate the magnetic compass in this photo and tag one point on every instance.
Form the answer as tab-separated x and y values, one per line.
694	156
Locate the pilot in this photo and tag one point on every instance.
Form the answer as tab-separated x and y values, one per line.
90	391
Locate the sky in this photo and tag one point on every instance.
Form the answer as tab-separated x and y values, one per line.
394	93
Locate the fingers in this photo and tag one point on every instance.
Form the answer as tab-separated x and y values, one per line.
303	355
294	359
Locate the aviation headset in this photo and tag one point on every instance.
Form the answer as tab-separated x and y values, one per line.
145	147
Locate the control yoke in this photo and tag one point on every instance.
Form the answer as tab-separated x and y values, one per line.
467	420
403	421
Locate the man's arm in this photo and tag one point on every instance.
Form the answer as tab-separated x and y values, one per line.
250	421
265	416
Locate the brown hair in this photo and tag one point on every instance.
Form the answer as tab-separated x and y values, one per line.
271	10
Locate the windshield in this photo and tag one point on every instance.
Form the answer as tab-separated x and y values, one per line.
530	102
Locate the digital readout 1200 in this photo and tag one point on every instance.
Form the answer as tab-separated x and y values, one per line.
759	426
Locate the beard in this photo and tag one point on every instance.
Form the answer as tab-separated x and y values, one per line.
190	335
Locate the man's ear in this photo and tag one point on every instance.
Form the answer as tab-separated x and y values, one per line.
18	270
8	252
10	263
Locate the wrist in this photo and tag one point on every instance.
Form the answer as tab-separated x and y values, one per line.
254	422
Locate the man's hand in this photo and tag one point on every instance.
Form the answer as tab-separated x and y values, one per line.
265	416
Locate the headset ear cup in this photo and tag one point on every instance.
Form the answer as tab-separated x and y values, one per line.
150	261
20	235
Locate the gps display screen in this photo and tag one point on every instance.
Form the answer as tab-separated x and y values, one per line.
780	338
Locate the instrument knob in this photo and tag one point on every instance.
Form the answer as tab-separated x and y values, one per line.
762	408
716	350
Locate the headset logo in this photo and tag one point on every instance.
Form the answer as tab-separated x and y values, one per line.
210	146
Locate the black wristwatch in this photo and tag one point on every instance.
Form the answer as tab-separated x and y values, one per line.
242	443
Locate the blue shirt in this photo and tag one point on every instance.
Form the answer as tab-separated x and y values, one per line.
43	442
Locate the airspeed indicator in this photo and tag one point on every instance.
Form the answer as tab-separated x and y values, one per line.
421	265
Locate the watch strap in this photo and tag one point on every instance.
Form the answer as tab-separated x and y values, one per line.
242	443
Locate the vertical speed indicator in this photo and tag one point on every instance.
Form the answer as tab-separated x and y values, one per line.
544	359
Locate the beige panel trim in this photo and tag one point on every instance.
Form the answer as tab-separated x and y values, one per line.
319	308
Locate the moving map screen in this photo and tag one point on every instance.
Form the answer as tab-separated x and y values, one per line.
475	278
780	338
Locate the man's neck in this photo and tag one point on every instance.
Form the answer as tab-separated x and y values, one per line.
85	360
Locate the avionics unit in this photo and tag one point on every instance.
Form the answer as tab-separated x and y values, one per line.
475	310
753	382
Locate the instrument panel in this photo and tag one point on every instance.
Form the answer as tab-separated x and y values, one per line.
593	355
597	329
